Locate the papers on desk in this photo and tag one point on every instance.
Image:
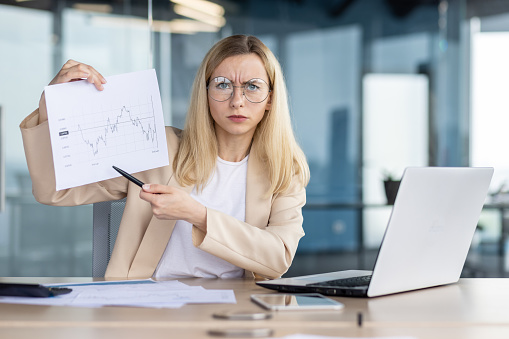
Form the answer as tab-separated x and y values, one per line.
308	336
137	293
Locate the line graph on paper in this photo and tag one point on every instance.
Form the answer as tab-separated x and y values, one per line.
93	130
108	132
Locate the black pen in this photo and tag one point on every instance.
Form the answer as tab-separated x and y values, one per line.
128	176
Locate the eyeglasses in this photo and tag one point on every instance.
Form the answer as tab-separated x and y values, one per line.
221	89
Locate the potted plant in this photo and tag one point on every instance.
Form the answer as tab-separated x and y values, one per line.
391	187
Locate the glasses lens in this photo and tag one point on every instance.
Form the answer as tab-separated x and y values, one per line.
220	88
256	90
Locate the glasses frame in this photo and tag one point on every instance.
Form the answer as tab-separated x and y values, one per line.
243	90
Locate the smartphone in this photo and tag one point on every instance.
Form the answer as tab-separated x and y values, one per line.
242	315
298	301
241	332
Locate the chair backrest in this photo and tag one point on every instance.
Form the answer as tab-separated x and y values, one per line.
107	216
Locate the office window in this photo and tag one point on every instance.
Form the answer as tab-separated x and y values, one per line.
322	69
402	54
25	67
395	134
490	104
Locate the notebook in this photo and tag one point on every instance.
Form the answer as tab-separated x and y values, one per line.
426	241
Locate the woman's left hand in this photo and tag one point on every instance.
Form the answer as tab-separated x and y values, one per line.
173	203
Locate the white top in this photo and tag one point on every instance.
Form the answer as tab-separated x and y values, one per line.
225	192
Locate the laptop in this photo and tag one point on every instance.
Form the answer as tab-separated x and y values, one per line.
426	241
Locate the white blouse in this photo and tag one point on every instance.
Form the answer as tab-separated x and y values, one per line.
225	192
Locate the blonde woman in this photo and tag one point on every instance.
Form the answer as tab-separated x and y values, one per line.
229	204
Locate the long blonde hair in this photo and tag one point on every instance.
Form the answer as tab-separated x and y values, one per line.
273	142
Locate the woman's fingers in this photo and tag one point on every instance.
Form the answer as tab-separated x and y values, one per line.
156	188
173	203
73	70
162	197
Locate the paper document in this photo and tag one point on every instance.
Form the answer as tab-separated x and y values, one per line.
139	293
92	130
310	336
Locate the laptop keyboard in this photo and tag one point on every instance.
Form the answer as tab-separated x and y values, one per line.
345	282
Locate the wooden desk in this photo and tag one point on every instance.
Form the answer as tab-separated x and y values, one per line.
473	308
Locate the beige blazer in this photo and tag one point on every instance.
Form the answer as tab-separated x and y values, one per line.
264	245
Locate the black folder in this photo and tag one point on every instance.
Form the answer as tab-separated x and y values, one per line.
31	290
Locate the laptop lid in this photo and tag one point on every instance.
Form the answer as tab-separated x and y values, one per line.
427	238
430	229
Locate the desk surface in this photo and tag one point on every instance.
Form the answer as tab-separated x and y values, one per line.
472	308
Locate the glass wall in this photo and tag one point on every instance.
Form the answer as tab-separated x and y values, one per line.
489	37
323	68
375	86
26	45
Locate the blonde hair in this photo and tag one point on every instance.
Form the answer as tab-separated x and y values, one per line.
273	142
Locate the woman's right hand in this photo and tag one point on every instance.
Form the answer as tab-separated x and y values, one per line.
72	71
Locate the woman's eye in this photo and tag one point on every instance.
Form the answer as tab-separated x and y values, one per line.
251	87
223	85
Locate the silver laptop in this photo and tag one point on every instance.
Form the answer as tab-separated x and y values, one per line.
426	241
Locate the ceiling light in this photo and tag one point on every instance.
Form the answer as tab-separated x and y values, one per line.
213	20
202	6
99	8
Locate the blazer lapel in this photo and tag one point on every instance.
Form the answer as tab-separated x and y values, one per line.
257	203
154	242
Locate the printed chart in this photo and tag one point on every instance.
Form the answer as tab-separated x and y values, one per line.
93	130
112	131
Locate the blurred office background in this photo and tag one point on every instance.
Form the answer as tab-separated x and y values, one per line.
375	86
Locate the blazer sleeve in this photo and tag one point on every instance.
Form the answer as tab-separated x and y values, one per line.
37	145
266	251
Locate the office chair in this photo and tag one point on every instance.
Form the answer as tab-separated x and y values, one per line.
107	216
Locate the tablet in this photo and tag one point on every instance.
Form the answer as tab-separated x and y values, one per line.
298	301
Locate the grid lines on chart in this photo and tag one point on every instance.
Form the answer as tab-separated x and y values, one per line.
98	132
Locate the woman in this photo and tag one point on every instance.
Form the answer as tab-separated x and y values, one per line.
230	202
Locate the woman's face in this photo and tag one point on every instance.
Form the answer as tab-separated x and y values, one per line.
237	116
